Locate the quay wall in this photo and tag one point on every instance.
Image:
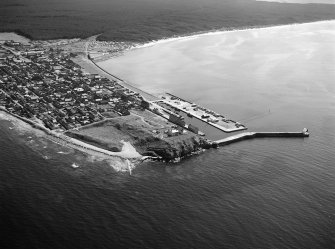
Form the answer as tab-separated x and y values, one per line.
204	121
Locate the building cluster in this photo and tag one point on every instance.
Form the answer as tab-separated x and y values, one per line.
46	85
204	114
171	114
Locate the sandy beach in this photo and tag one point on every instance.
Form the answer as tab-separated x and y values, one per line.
230	72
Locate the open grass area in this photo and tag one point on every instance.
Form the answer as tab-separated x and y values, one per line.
108	134
139	131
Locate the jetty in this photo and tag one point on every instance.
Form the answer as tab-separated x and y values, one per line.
251	135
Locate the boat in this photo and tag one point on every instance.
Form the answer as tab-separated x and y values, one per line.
74	165
190	115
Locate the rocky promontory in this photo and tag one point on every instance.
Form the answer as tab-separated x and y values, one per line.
148	137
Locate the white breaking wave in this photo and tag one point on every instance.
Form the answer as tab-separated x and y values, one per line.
216	32
74	165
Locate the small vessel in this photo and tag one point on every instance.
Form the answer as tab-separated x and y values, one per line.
74	165
189	115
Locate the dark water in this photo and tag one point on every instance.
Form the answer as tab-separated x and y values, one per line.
146	20
268	193
264	193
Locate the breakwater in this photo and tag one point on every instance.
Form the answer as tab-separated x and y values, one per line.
251	135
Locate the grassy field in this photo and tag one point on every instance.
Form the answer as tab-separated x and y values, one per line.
137	129
133	128
144	20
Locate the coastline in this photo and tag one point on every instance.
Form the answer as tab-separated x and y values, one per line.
228	64
128	151
174	38
120	81
215	32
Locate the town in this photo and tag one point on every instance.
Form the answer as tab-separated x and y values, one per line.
41	83
46	85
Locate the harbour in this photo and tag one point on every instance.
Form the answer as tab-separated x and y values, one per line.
212	118
171	105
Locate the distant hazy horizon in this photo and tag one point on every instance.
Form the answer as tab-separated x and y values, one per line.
300	1
147	20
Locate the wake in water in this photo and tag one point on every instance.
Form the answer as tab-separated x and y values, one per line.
65	153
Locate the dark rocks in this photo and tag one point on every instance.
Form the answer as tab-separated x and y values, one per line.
178	147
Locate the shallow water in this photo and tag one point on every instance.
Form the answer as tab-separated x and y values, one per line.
272	78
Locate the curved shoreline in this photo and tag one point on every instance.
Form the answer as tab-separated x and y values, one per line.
219	31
